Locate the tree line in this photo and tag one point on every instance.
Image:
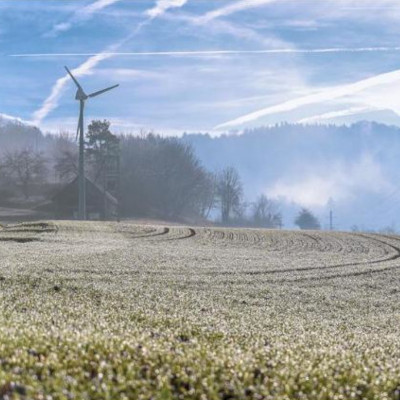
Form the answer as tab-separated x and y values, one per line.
158	177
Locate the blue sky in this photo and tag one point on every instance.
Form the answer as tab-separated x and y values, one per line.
223	65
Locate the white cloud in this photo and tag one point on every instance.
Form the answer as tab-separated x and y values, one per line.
128	74
328	94
52	100
233	8
337	114
97	6
85	68
5	119
223	27
164	5
118	126
82	14
341	182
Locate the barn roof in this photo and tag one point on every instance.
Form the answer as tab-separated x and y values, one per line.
91	189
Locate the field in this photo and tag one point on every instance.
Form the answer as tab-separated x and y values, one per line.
125	311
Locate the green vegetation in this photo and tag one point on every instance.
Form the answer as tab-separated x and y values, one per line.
121	311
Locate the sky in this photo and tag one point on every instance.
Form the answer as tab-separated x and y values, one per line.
201	65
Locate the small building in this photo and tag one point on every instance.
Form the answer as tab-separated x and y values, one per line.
100	204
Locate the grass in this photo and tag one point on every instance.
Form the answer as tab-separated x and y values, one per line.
120	311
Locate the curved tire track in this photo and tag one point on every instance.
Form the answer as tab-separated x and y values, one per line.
165	231
191	234
394	257
323	268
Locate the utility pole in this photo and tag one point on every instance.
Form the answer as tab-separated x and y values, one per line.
331	207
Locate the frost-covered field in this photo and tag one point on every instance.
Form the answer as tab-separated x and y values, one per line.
121	311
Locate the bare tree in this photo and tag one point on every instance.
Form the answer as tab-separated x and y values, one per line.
162	177
208	194
65	156
25	168
7	187
230	191
265	213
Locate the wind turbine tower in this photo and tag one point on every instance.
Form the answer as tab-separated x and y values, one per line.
81	96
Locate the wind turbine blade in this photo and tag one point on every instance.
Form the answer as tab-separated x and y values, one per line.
102	91
78	129
73	78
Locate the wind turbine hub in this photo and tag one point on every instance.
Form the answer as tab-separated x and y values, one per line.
81	95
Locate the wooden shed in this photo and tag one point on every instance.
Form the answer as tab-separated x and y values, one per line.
100	204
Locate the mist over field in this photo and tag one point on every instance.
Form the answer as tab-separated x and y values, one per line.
354	166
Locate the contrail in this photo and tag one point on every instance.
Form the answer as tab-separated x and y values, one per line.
216	52
94	59
163	5
324	95
52	100
97	6
337	114
233	8
81	15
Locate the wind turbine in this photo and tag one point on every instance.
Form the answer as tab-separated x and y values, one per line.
81	96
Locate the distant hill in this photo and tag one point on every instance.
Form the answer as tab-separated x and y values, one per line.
358	166
15	134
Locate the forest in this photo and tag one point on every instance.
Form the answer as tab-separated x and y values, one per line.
151	176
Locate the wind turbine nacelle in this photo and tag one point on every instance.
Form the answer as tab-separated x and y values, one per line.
81	95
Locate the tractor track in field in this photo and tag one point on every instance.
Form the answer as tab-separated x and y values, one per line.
303	256
191	234
394	257
40	227
326	247
165	234
12	233
301	244
152	234
254	237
